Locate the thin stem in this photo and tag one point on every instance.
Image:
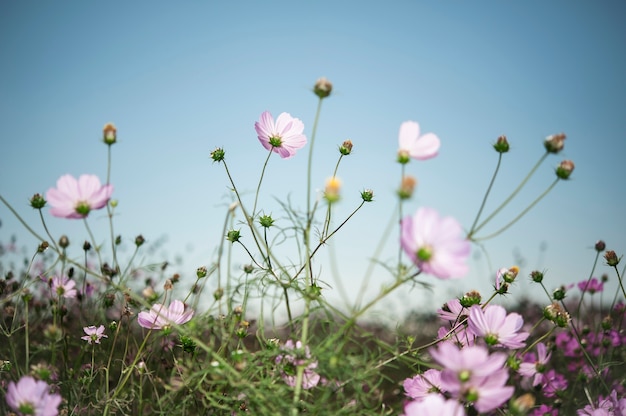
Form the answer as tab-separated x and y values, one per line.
528	208
93	241
110	213
482	205
400	204
258	188
515	192
310	162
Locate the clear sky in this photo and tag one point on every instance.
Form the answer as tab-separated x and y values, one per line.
180	78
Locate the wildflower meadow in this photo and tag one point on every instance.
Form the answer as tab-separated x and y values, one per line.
85	330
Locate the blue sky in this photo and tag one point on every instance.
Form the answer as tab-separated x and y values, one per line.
180	79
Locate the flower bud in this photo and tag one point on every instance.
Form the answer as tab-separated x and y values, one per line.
536	276
470	298
554	143
322	87
266	221
201	272
218	154
168	285
331	192
37	201
233	236
248	268
42	247
217	295
565	169
407	186
559	293
403	157
600	245
346	148
86	245
501	145
139	240
109	134
611	258
64	242
118	240
367	195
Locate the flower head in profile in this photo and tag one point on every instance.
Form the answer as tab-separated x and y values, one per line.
436	245
412	145
162	317
64	286
32	397
283	136
74	198
434	405
296	355
94	334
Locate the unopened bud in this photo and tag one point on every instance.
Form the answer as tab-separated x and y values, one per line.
64	242
600	245
565	169
37	201
346	148
86	246
201	272
536	276
266	221
109	133
42	247
233	236
611	258
331	192
470	298
168	285
218	154
322	87
367	195
554	143
407	186
501	145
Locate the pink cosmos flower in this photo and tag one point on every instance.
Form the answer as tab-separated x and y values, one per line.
436	245
422	385
496	327
283	136
76	198
94	334
592	285
296	356
160	317
473	375
64	286
32	397
536	367
416	146
434	405
452	311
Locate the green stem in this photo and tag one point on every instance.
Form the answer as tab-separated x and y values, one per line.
515	192
528	208
482	205
258	188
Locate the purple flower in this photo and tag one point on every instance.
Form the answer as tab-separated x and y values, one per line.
536	367
64	286
422	385
76	198
411	144
436	245
32	397
473	375
160	317
592	285
496	327
553	383
434	405
295	356
283	136
94	334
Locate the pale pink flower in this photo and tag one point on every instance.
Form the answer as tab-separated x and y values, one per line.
64	286
434	405
32	397
496	327
416	146
452	311
160	317
473	375
76	198
94	334
284	136
436	245
536	367
423	384
295	355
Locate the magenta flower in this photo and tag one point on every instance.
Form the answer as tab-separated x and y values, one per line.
436	245
160	317
424	384
283	136
434	405
294	357
64	286
496	327
592	285
473	375
32	397
536	367
94	334
411	144
76	198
